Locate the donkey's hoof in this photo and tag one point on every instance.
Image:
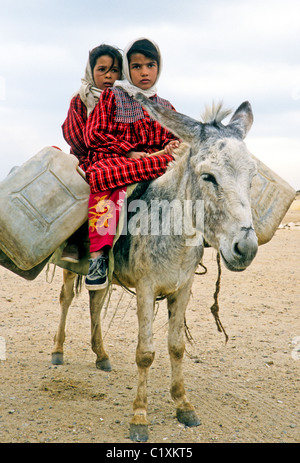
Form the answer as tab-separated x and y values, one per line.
104	365
187	417
57	358
139	432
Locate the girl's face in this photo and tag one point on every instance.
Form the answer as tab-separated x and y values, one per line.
104	77
143	71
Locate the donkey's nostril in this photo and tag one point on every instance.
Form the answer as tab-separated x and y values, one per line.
236	249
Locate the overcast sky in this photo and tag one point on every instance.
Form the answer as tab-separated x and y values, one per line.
229	50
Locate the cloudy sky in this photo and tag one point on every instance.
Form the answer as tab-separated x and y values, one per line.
229	50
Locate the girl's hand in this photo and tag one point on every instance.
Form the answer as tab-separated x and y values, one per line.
171	146
136	154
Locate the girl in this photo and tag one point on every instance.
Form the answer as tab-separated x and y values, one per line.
119	135
103	68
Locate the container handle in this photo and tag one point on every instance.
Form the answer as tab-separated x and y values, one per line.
81	172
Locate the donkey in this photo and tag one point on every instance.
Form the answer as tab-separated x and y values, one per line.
213	172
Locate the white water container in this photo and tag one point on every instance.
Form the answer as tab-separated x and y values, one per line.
42	203
271	197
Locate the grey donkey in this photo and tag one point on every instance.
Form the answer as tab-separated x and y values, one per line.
204	196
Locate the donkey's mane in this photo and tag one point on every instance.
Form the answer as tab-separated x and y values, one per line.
215	113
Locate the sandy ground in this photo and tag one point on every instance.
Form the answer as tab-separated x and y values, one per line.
244	391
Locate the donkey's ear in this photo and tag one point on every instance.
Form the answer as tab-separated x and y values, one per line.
182	126
242	119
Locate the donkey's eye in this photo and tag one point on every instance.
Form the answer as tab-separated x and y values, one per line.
209	178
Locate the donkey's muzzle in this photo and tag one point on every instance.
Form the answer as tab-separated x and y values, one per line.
243	250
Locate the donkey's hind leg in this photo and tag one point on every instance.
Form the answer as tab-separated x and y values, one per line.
96	302
66	297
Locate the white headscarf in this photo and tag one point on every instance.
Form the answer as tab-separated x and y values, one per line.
89	93
127	83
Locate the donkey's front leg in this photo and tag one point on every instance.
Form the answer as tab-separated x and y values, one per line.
177	303
66	297
144	358
96	303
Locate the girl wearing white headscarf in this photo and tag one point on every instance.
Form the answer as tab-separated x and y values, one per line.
120	134
153	51
103	68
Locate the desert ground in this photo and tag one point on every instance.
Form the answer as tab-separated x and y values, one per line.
245	391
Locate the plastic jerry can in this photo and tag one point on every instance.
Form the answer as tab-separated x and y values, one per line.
271	197
30	274
42	203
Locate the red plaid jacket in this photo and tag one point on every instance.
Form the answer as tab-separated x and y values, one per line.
73	128
118	125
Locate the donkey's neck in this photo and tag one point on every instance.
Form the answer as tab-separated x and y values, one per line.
176	188
173	184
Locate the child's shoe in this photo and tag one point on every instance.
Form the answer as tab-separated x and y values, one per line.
97	276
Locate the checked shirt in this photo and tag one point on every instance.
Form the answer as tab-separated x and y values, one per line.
73	128
117	125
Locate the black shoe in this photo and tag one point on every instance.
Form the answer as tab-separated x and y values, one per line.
97	276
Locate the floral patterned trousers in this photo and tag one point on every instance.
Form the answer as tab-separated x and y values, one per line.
103	216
